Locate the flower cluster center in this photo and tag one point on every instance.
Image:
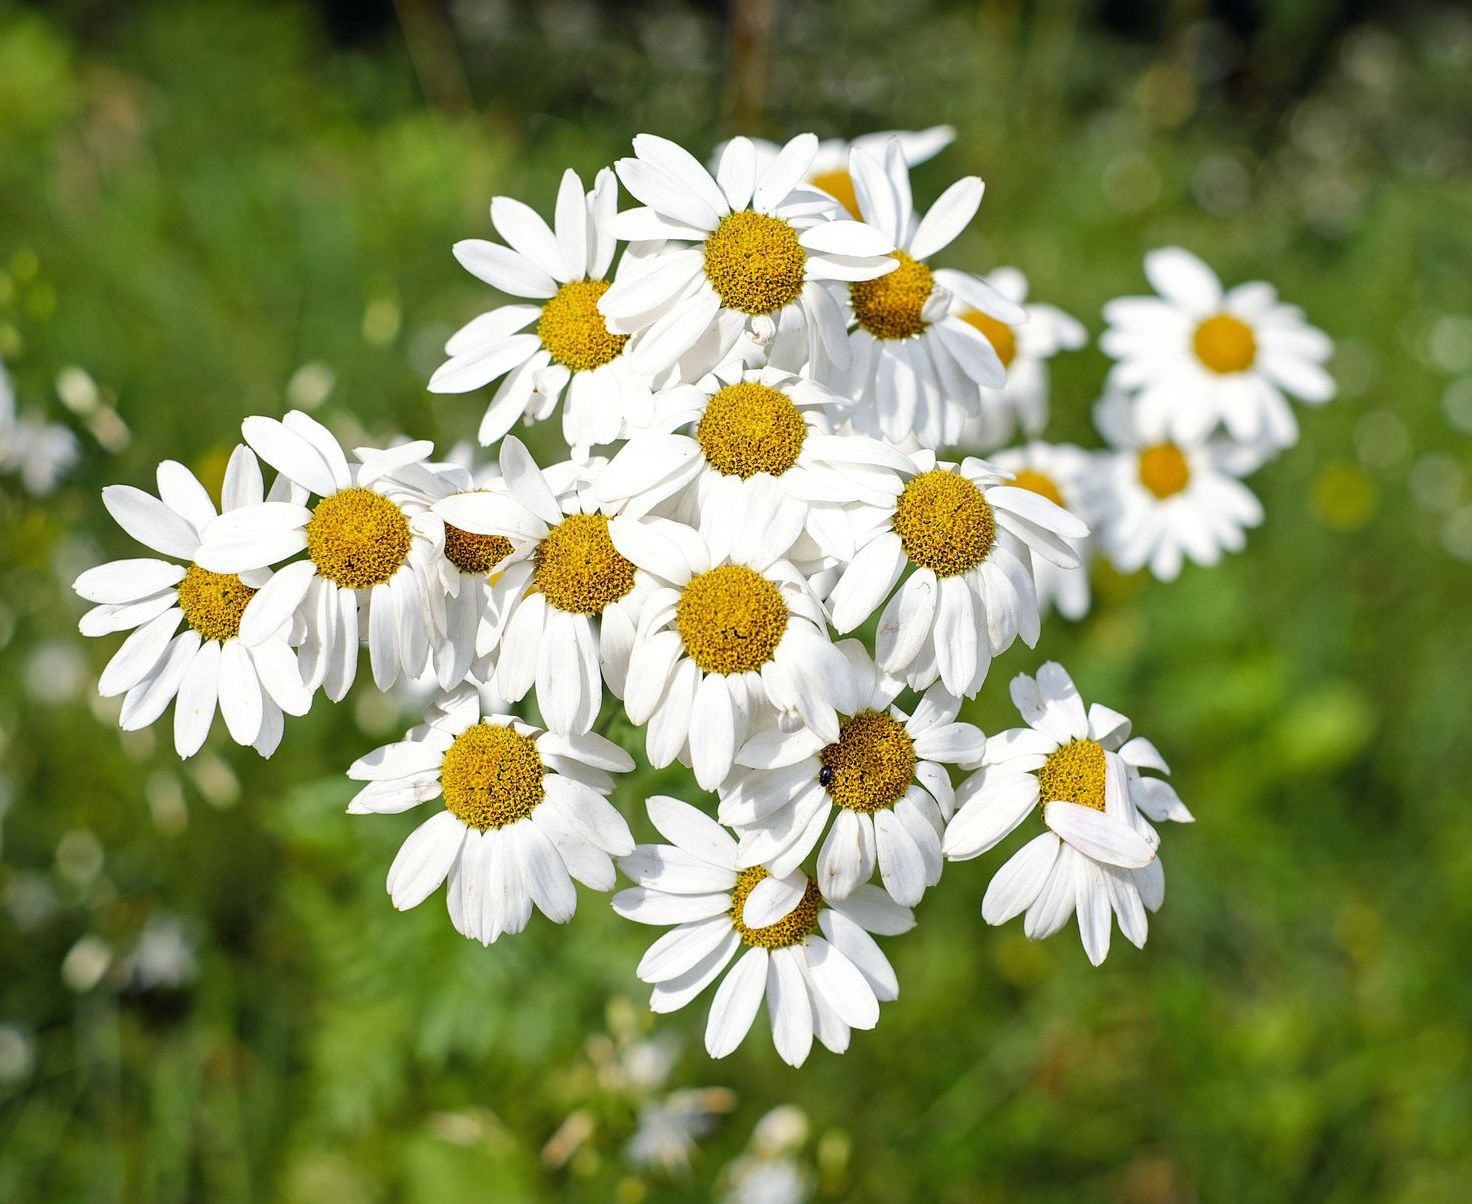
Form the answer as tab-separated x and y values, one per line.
1001	336
357	538
754	262
1040	483
1225	344
213	602
944	523
890	306
749	428
1164	470
572	328
871	764
1074	774
840	186
792	929
491	776
473	553
578	568
731	619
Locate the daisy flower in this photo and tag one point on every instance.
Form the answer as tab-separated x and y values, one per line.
812	958
1196	355
563	275
370	541
526	812
1065	476
1159	502
915	367
208	663
1024	351
747	252
729	633
968	537
883	782
1097	855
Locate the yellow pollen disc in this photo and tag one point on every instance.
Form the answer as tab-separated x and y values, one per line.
1225	344
944	523
472	553
1001	336
840	186
572	328
792	929
754	262
1074	774
1040	483
491	776
578	568
871	765
731	619
889	307
357	538
213	602
749	428
1164	470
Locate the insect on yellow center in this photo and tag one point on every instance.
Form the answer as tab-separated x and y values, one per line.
491	776
1074	774
749	428
1164	470
1001	336
357	538
572	328
792	929
889	306
754	262
840	186
1040	483
578	568
1225	344
213	602
871	764
731	619
472	553
944	523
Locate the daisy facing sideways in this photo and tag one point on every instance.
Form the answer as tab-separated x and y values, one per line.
525	813
883	783
1197	356
1097	855
207	663
1063	474
812	959
1158	502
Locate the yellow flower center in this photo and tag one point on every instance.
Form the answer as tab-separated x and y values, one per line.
944	523
491	776
357	538
578	568
1164	470
871	765
749	428
1225	344
213	602
1001	336
889	306
1074	774
572	328
754	262
1040	483
731	619
792	929
472	553
840	186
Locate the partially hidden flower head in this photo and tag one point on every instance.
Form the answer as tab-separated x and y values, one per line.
1065	475
40	452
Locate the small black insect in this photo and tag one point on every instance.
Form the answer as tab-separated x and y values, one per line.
825	775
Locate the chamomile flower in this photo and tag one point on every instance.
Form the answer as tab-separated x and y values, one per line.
371	544
967	537
811	958
1158	502
563	274
1065	476
1098	852
730	633
915	366
1195	355
207	664
525	813
747	252
883	783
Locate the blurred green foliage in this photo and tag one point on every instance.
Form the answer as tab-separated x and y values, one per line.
215	210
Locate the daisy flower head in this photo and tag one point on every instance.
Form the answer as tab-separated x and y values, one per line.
811	958
966	536
562	275
1024	351
1196	355
207	664
1098	854
730	633
1159	502
916	367
525	814
1063	474
747	252
371	547
883	783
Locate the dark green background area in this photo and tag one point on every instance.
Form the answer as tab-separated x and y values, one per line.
214	210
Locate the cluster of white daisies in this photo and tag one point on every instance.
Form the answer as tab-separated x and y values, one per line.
779	364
